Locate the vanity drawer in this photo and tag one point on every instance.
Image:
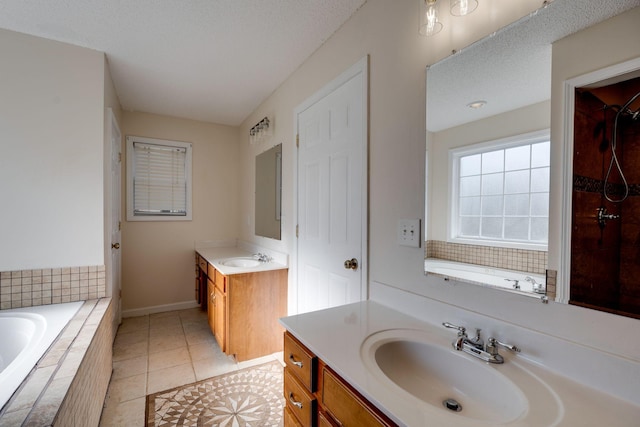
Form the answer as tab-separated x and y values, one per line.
347	407
211	272
290	420
202	263
300	402
221	281
300	362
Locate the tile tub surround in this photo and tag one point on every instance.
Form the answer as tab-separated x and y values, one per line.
68	385
27	288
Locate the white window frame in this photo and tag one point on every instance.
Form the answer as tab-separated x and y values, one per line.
134	216
454	156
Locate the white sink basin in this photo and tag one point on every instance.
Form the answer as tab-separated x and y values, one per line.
426	371
241	262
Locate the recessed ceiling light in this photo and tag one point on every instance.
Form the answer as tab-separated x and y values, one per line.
477	104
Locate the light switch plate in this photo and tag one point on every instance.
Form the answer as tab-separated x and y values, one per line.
409	232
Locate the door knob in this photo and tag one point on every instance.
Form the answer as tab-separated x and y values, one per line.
115	246
351	264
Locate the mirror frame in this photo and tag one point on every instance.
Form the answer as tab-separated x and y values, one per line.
268	193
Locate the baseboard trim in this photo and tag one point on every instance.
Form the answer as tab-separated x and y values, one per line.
135	312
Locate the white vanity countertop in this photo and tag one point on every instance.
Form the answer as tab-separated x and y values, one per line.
214	256
336	335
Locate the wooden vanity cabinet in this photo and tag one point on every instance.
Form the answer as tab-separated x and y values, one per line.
244	310
311	386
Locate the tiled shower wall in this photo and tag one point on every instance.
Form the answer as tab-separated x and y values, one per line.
26	288
506	258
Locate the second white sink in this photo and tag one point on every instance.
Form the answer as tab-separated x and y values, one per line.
242	262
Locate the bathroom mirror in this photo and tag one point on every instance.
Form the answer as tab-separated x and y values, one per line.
491	101
268	192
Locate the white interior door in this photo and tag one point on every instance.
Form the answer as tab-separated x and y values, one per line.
115	218
332	194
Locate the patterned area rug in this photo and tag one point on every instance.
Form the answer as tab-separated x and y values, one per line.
246	398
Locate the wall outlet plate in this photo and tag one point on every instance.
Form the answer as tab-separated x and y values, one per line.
409	233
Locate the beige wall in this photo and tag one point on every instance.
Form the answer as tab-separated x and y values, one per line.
158	256
386	31
523	120
51	167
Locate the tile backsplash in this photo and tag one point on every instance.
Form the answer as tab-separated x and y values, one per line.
505	258
26	288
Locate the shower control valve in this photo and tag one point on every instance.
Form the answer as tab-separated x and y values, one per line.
603	216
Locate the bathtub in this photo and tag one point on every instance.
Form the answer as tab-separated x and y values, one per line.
490	276
26	334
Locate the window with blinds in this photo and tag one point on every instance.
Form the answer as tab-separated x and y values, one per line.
158	179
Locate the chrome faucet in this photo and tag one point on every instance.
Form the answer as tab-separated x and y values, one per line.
516	284
537	287
476	347
262	257
463	338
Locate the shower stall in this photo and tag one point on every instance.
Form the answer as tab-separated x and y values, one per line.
605	242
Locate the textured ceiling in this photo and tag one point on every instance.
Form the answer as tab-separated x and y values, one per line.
210	60
511	68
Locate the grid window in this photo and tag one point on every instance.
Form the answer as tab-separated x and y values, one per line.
501	192
158	180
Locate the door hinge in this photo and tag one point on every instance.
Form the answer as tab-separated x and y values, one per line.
297	140
119	225
297	230
120	157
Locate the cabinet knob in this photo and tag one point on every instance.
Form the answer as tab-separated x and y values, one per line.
115	246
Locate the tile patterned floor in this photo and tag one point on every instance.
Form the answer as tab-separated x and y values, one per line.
159	352
248	397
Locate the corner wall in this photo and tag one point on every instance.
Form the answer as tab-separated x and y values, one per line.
52	121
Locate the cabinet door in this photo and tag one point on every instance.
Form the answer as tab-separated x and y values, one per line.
211	297
220	318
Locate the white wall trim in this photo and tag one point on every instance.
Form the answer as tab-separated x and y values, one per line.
135	312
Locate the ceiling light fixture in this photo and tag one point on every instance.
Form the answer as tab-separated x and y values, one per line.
430	23
477	104
463	7
261	130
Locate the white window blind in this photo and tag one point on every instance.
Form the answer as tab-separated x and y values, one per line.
159	179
